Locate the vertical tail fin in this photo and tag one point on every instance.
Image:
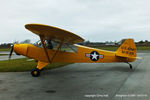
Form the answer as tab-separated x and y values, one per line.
127	49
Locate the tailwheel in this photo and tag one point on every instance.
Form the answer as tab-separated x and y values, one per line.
130	65
35	72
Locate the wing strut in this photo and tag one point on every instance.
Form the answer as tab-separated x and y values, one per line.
58	48
44	46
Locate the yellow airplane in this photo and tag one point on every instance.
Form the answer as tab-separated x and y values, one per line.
45	53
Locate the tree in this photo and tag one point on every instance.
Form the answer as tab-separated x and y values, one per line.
141	42
26	41
146	41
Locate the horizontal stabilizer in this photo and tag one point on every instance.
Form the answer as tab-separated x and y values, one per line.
139	58
129	57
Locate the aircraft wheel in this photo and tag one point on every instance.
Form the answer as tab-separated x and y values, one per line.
35	72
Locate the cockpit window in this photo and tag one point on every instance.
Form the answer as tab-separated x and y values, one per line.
69	48
38	44
49	44
54	45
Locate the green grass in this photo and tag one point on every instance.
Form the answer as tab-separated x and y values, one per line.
20	65
143	47
5	49
5	54
108	48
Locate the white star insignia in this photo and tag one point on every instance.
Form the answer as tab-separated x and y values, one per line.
94	56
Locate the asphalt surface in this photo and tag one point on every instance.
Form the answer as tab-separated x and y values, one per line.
101	81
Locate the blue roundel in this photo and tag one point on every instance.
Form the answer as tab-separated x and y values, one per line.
94	55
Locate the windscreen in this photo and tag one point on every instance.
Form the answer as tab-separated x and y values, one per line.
54	45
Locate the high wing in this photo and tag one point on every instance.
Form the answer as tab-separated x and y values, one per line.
54	33
46	32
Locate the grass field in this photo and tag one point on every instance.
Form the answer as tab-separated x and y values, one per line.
20	65
143	48
5	54
108	48
5	49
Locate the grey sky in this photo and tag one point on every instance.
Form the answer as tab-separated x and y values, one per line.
94	20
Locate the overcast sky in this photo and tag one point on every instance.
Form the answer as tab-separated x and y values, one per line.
94	20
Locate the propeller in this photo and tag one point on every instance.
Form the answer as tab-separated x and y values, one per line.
11	51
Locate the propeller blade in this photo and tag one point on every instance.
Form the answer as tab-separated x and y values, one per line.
12	49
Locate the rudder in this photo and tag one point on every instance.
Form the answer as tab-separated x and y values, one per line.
127	49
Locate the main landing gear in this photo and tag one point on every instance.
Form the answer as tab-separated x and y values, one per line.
130	65
35	72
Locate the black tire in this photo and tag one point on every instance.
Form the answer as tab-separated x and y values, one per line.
35	72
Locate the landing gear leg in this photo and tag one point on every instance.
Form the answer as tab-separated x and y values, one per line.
130	65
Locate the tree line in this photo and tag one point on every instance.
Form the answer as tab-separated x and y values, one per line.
8	45
87	43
